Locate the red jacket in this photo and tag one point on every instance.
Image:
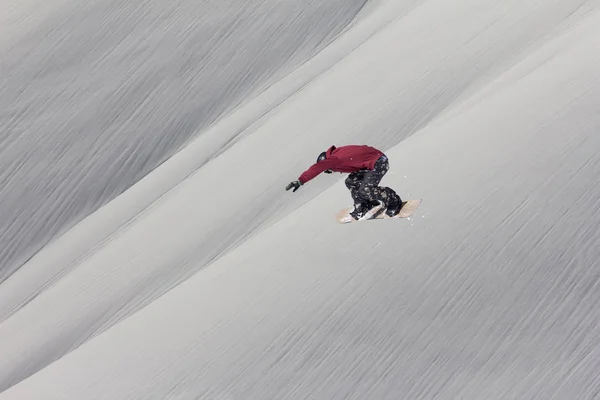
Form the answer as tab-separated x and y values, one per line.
343	159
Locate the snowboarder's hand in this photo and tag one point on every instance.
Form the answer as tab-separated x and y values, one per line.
328	171
296	185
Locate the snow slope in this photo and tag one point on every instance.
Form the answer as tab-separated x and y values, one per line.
207	280
96	94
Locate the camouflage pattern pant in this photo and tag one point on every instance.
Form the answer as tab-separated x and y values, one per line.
364	185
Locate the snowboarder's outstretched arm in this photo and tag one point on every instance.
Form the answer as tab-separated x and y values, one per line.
312	172
317	168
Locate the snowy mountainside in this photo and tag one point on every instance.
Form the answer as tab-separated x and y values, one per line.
96	94
226	286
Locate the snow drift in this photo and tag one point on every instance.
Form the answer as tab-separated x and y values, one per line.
207	280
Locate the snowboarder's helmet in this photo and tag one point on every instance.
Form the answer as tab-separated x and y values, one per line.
322	156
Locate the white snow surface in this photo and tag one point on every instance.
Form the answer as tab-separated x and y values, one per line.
150	251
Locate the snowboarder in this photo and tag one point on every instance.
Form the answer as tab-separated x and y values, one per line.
366	166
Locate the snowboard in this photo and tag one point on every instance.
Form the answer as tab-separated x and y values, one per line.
408	208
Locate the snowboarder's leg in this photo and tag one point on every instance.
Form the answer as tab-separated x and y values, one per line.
371	191
354	181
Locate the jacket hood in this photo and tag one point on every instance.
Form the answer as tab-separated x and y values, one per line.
329	151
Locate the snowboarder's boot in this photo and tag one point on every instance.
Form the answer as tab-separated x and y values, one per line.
394	207
357	213
361	209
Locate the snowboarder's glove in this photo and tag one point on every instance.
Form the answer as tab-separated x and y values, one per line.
296	185
328	171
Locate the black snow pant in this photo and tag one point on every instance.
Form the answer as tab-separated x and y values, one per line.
364	186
